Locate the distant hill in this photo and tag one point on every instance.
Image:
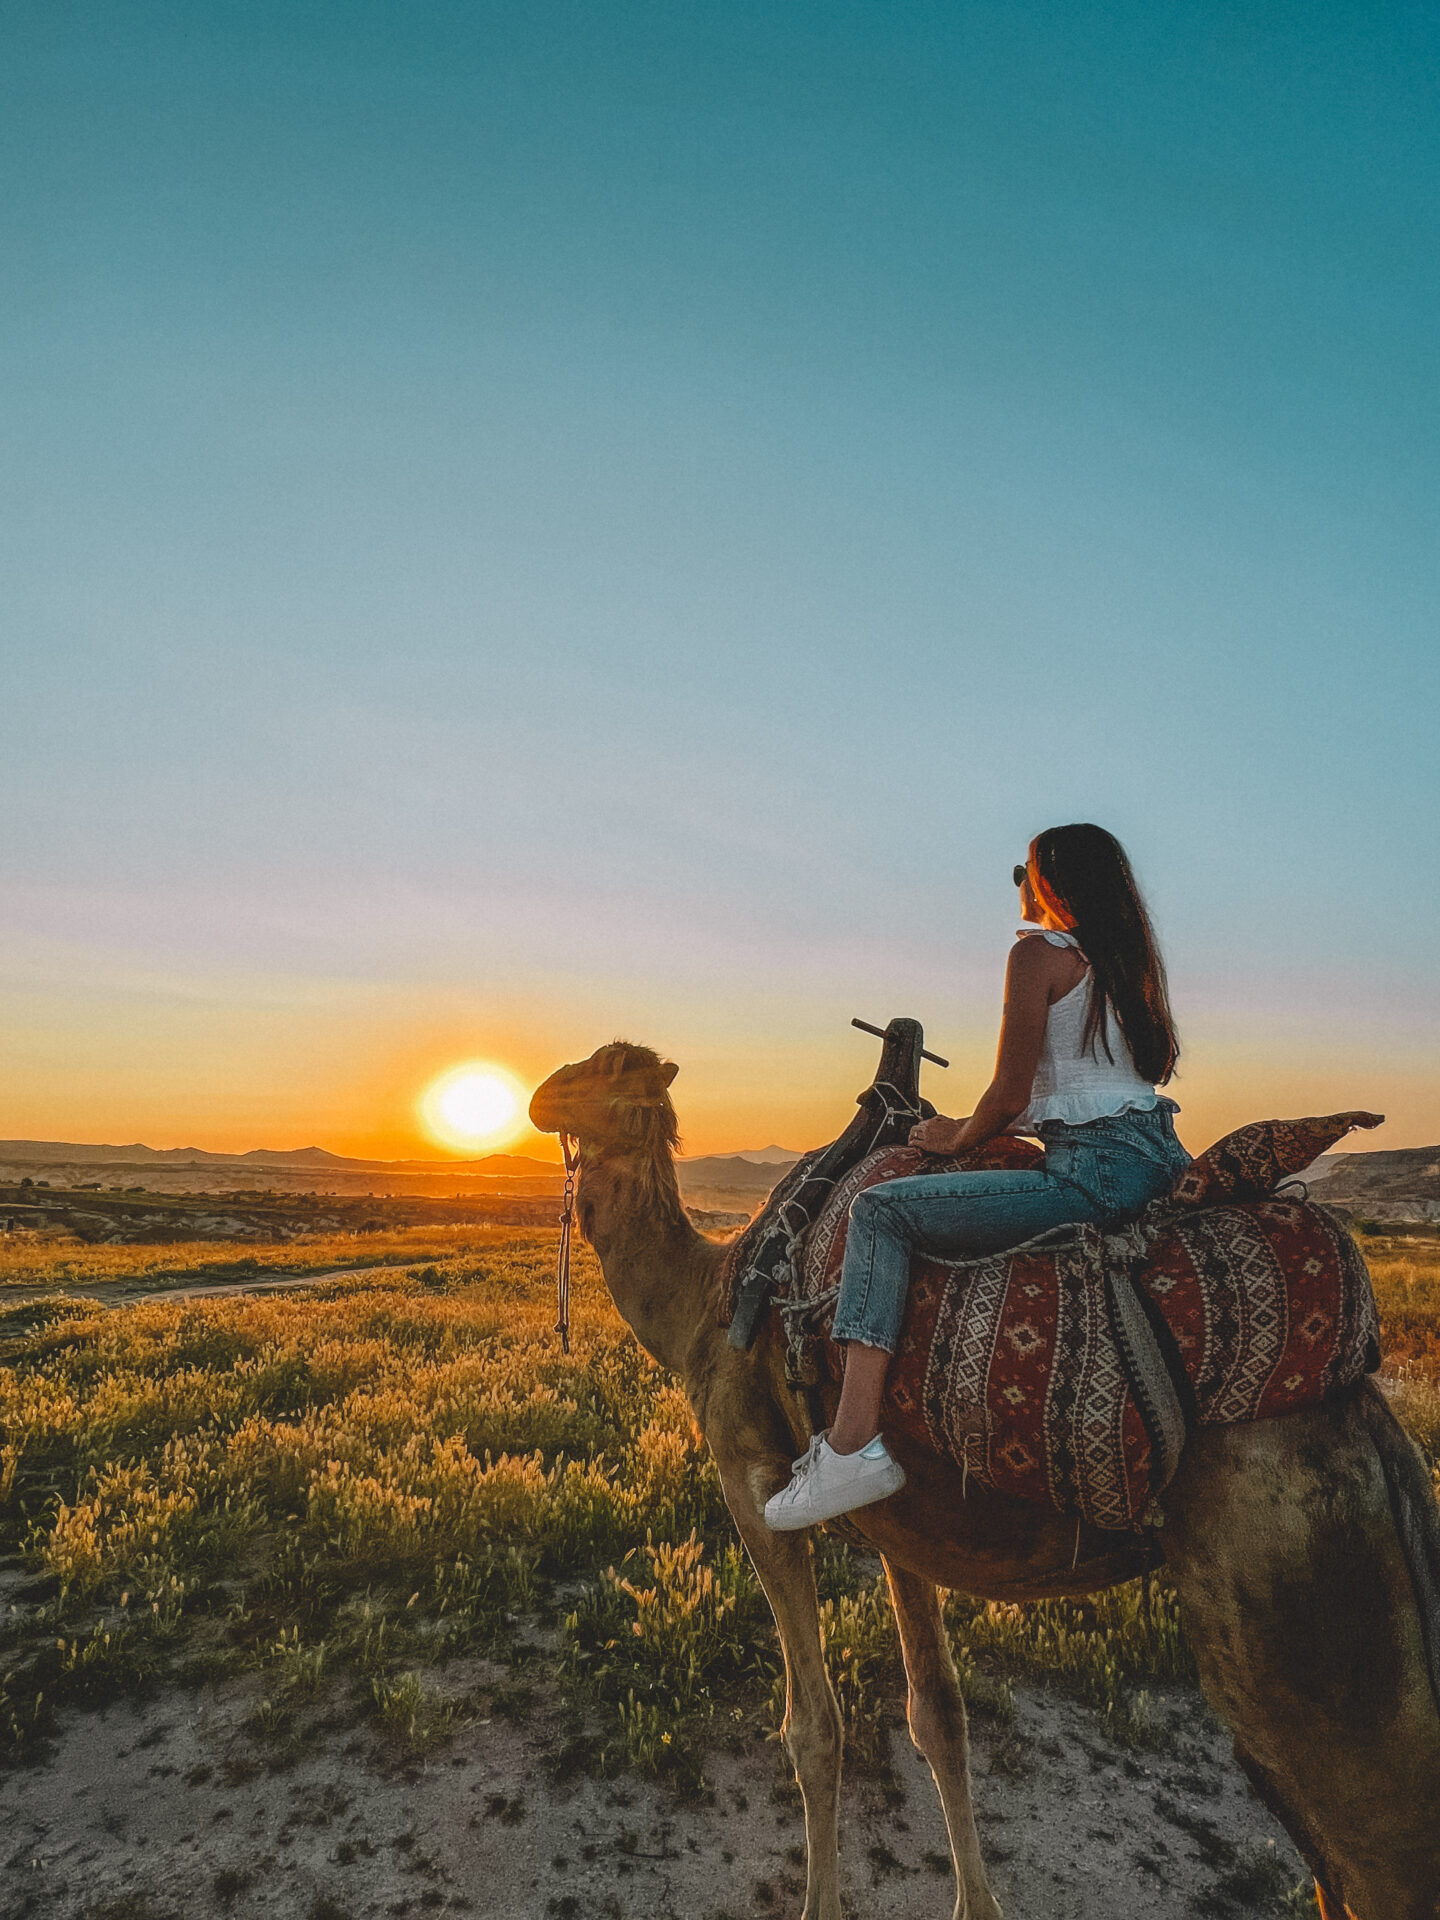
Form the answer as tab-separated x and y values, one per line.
738	1180
74	1154
732	1173
1401	1184
62	1164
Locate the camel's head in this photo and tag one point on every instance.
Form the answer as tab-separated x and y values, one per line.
617	1101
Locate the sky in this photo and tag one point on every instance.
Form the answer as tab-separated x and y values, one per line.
523	524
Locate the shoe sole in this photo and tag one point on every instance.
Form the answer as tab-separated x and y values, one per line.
791	1521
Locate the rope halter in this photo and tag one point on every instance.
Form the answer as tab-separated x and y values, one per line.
571	1150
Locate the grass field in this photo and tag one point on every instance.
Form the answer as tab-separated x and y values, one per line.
1407	1286
348	1488
40	1261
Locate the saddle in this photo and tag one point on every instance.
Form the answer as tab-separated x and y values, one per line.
1071	1370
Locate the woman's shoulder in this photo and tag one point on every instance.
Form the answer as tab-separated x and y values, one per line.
1039	953
1054	963
1045	937
1040	960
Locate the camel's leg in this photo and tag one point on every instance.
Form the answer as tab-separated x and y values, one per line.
940	1733
812	1730
1301	1606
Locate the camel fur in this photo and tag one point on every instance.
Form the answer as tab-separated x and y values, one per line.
1306	1552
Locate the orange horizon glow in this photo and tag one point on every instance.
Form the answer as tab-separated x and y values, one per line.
717	1116
343	1068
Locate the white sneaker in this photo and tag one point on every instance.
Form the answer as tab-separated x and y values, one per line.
826	1483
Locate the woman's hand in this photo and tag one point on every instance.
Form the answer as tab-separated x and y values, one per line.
938	1135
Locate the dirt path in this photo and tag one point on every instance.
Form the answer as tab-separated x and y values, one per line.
282	1283
135	1293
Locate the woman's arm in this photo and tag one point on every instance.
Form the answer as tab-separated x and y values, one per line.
1028	980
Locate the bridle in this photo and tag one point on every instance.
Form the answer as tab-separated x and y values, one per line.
571	1152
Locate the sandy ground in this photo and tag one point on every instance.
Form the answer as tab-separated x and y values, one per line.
180	1807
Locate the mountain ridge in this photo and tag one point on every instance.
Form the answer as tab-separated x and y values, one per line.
80	1154
743	1179
135	1153
1388	1184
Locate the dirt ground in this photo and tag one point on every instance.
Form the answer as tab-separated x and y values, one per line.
189	1805
136	1290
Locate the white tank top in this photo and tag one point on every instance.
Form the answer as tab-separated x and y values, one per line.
1075	1083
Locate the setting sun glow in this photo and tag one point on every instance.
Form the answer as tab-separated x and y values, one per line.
473	1107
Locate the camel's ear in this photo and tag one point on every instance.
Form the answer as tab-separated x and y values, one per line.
668	1071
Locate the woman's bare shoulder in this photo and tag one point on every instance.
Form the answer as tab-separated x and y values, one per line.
1034	962
1034	953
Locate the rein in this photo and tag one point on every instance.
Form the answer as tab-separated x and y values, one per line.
562	1263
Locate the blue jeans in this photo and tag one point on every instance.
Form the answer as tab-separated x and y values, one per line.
1106	1171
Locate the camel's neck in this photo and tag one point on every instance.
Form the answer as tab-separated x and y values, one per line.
660	1271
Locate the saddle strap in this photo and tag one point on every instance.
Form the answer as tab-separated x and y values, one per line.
1164	1394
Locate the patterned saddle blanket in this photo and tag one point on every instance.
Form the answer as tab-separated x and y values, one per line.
1072	1369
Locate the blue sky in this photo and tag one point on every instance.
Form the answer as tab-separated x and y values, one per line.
524	523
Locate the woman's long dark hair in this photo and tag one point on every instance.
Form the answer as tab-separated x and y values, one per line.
1086	869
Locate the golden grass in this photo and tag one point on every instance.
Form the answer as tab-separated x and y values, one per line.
54	1260
401	1420
347	1486
1406	1273
389	1469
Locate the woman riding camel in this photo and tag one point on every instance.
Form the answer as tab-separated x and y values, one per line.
1085	1040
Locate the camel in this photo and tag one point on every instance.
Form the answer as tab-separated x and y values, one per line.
1305	1550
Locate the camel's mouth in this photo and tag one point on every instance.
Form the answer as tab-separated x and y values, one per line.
556	1103
544	1105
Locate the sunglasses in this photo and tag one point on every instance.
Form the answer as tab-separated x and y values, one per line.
1019	875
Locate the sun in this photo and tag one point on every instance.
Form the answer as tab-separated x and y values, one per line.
473	1106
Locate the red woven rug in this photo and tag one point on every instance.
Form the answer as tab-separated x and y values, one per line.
1068	1371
